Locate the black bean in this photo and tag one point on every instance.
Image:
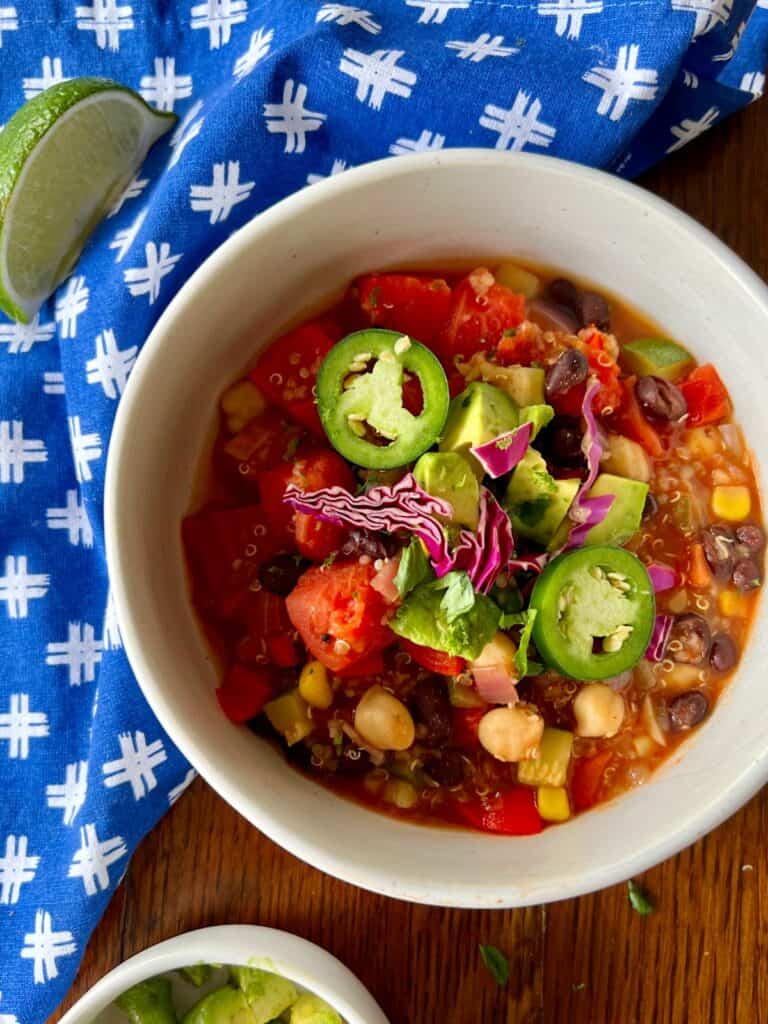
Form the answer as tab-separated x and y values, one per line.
365	542
659	399
718	542
561	442
651	506
594	310
687	710
746	574
565	293
724	653
430	706
751	536
692	631
353	762
445	767
570	369
279	575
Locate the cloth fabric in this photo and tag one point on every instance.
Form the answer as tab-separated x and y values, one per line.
272	96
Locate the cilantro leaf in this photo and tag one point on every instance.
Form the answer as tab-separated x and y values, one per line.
521	658
413	569
496	962
638	899
459	596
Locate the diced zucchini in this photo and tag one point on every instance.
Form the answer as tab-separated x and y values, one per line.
400	793
627	458
550	766
462	695
518	279
289	715
659	357
553	803
523	384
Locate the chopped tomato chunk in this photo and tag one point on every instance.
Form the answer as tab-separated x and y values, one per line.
610	397
705	395
417	306
244	692
513	813
434	661
261	444
480	313
287	370
587	779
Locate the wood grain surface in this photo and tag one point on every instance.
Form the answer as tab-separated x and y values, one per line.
699	959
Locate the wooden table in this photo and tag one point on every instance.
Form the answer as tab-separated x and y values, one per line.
699	958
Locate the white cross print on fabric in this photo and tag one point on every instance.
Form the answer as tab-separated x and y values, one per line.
53	382
187	129
224	193
132	190
18	587
8	1018
106	19
377	75
111	366
570	14
183	786
80	652
123	240
44	947
51	74
72	517
690	128
146	280
21	337
17	867
9	21
111	632
484	46
258	49
622	83
426	141
93	859
165	87
16	451
291	118
343	14
70	305
19	725
69	795
709	13
519	126
218	17
336	168
754	82
136	765
434	12
86	448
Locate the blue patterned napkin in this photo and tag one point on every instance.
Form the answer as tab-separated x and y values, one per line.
272	96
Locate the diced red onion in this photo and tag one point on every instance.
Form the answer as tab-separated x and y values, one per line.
662	577
660	637
533	563
494	684
731	434
502	454
552	317
384	580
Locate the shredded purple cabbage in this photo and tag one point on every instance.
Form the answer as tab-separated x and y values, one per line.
502	453
486	552
662	577
659	638
588	512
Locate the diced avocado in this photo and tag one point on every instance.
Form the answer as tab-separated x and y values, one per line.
422	619
310	1009
539	415
550	766
623	517
480	413
224	1006
523	384
267	994
149	1002
450	476
536	502
656	356
289	715
198	974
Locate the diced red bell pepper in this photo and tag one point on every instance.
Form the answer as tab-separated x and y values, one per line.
466	722
418	306
434	661
513	813
631	421
587	779
283	651
244	692
706	396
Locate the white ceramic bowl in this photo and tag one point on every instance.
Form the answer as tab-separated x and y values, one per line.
436	207
309	966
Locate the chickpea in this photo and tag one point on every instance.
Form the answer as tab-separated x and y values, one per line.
384	721
599	711
511	733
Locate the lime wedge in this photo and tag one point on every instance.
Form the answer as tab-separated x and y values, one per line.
65	158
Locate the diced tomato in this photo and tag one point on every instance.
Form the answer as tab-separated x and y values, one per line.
587	779
517	349
434	661
311	471
264	614
610	397
261	444
631	421
368	665
481	311
705	393
286	372
283	651
339	615
513	813
244	692
225	547
466	722
417	306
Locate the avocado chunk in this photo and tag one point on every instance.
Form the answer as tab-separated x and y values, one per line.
450	476
480	413
311	1009
268	995
149	1002
424	619
539	415
658	357
523	384
198	974
224	1006
537	503
289	715
624	515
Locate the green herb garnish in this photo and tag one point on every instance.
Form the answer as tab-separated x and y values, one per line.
496	963
638	899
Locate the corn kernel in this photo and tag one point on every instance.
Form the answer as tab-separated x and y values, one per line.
314	686
731	502
401	794
518	280
553	803
732	603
